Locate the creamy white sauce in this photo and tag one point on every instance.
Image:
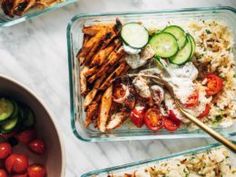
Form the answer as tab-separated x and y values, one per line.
130	50
134	61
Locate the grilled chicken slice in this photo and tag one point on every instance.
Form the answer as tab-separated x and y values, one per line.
157	94
141	87
104	109
83	80
116	120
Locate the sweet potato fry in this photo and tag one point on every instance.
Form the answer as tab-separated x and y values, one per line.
79	55
91	112
118	71
104	109
90	71
94	29
91	95
92	43
102	54
83	80
114	57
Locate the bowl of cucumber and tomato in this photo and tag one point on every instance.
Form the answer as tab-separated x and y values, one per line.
30	145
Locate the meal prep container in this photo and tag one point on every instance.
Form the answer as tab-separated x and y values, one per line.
140	164
6	21
74	42
46	127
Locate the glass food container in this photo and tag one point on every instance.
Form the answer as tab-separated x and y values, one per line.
74	42
142	164
6	21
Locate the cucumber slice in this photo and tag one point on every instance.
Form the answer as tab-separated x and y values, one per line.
164	44
179	34
9	125
134	35
6	108
192	43
183	55
27	117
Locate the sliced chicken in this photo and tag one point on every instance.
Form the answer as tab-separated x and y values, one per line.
116	120
104	109
141	87
157	94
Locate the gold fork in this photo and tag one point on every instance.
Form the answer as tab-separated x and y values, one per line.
217	136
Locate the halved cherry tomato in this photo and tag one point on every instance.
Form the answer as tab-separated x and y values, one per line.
5	150
170	125
205	112
21	175
193	100
173	117
137	116
214	84
16	163
3	173
36	170
153	119
37	146
26	136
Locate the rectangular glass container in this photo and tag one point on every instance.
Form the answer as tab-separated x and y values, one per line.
152	162
74	42
6	21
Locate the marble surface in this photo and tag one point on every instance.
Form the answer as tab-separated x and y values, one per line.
35	54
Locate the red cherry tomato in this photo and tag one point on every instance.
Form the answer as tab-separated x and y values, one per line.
205	112
16	163
26	136
173	117
170	125
3	173
37	146
5	150
21	175
36	170
193	100
214	84
153	119
137	116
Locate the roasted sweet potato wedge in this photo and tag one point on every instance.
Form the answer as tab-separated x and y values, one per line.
104	109
91	112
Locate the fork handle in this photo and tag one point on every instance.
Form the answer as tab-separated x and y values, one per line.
217	136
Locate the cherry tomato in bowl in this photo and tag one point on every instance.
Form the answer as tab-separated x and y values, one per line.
36	170
153	119
17	163
5	150
26	136
137	116
214	84
37	146
3	173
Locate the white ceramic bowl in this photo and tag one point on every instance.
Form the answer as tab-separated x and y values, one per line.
46	127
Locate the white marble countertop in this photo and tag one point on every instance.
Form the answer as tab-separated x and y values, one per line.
35	54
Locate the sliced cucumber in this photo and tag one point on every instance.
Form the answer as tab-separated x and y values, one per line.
6	108
179	34
183	55
16	109
164	44
134	35
9	125
27	117
192	43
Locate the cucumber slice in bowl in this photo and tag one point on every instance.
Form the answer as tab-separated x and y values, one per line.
6	108
183	55
164	44
179	34
192	43
9	125
134	35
